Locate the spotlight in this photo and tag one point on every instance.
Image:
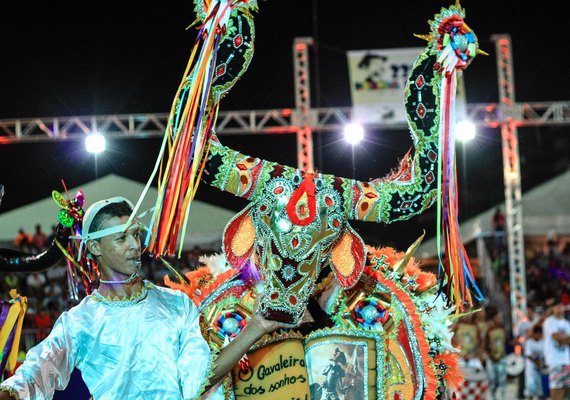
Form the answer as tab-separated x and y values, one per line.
95	143
353	133
465	131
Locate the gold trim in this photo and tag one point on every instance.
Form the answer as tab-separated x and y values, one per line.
11	392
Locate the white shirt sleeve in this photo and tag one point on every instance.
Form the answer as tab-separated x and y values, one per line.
195	362
48	365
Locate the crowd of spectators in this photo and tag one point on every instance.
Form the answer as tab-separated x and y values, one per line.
547	261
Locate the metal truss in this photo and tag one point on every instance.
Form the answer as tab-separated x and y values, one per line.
303	103
512	181
251	122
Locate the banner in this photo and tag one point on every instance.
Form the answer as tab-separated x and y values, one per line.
377	82
276	371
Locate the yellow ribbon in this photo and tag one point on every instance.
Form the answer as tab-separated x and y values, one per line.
15	319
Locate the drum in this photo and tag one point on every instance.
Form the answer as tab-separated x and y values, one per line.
475	385
514	364
473	370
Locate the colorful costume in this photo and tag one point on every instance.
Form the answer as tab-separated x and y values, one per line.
386	314
169	359
391	325
296	224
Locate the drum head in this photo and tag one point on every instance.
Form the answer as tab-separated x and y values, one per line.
514	364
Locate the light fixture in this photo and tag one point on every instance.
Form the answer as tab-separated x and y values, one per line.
465	131
353	133
95	143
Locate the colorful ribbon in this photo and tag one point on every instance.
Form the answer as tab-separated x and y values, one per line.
11	319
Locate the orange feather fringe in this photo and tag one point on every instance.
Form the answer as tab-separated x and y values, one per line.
202	283
425	280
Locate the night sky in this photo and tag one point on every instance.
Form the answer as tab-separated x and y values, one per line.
118	57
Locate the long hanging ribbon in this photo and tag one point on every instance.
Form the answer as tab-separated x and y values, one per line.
453	258
192	118
455	45
11	330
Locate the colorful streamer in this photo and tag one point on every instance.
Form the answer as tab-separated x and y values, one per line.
455	45
11	319
193	114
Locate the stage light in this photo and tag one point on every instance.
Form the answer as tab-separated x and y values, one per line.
353	133
465	131
95	143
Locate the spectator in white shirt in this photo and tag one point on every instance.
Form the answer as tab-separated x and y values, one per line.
556	330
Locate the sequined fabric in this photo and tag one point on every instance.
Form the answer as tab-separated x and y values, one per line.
297	222
150	349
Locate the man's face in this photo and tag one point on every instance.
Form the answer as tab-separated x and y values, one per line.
558	310
119	254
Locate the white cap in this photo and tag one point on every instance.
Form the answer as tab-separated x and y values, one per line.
90	215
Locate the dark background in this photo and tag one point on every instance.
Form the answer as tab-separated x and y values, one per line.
75	58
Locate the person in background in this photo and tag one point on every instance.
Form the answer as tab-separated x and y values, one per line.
39	240
36	282
42	322
482	323
193	258
23	241
522	334
498	222
467	338
495	346
534	364
532	319
52	234
11	281
556	329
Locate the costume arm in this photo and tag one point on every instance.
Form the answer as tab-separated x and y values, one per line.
239	174
407	192
15	261
48	365
412	188
396	198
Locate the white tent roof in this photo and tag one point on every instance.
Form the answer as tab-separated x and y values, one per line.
545	208
205	226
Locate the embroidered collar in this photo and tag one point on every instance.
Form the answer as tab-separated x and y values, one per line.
125	301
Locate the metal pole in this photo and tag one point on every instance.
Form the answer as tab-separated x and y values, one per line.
303	103
512	179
